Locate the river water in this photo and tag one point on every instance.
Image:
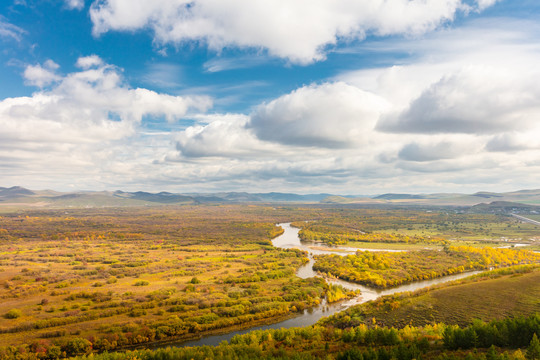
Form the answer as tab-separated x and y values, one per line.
289	239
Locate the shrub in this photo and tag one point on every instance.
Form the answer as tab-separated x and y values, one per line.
141	283
13	314
78	346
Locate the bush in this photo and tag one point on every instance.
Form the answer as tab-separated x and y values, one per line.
13	314
78	346
141	283
54	352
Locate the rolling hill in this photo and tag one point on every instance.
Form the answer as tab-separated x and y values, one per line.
17	196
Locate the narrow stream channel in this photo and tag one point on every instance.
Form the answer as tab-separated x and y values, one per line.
289	239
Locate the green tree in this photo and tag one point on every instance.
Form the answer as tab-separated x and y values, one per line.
533	351
492	353
78	346
53	352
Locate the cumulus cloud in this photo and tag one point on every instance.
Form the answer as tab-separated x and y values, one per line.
222	136
295	30
440	121
452	118
93	94
461	99
329	115
87	62
82	116
463	121
38	75
477	99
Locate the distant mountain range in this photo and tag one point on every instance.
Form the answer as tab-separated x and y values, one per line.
529	197
14	192
20	197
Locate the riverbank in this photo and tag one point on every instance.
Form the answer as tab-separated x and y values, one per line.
510	292
289	240
213	337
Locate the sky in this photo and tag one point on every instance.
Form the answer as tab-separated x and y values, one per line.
353	97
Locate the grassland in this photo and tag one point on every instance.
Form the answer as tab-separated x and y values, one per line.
357	334
482	227
122	277
494	295
106	279
424	228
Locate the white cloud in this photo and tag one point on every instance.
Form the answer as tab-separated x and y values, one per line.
483	4
223	136
75	4
462	114
330	115
484	44
295	30
8	30
473	100
464	121
87	62
461	81
459	120
87	122
37	75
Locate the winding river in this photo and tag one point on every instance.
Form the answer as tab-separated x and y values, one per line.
289	239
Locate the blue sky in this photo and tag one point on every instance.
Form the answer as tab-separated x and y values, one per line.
339	96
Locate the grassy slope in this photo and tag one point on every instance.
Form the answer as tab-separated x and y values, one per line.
487	299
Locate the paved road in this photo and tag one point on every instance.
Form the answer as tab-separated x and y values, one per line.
523	218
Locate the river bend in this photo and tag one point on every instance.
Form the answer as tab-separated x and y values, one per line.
288	240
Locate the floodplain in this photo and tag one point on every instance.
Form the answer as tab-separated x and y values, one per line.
85	281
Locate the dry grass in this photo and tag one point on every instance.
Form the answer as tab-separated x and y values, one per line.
94	273
482	298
